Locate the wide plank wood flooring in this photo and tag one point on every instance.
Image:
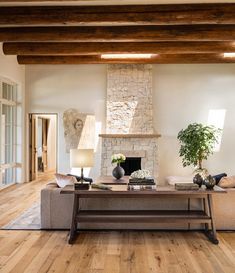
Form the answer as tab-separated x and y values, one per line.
17	198
104	252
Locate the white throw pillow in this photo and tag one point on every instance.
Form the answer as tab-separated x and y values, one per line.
64	180
171	180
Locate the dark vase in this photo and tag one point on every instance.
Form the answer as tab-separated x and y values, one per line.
198	180
209	182
118	172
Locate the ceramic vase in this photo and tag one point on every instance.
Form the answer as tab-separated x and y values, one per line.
118	172
209	182
198	180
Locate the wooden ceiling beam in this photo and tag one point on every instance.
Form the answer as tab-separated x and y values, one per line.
118	48
118	15
159	59
119	34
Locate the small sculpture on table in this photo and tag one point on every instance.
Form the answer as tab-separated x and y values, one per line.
209	182
141	180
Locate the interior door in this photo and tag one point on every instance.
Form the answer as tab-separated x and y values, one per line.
32	147
45	126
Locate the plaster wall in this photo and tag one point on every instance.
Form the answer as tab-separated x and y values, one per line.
181	94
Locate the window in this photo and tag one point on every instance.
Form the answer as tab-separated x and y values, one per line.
10	128
216	118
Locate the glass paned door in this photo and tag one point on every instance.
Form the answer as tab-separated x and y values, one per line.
8	138
8	107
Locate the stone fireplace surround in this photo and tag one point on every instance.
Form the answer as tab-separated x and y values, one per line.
129	117
143	147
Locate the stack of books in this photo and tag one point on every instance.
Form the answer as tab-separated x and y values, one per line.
186	186
138	184
101	186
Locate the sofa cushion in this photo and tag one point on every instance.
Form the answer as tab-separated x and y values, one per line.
78	178
171	180
64	180
227	182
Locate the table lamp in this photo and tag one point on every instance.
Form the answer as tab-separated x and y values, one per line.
81	158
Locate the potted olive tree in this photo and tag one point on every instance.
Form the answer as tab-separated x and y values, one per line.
197	143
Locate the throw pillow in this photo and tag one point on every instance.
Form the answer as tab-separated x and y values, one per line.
171	180
87	179
227	182
218	177
64	180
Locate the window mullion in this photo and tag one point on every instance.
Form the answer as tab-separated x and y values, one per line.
0	137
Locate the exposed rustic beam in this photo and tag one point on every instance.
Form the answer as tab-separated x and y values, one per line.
102	48
159	59
119	34
131	15
36	1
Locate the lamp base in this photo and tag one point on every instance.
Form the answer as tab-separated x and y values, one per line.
82	186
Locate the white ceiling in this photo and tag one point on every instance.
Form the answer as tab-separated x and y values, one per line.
109	2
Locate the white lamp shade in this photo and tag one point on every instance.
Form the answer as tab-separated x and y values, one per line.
81	158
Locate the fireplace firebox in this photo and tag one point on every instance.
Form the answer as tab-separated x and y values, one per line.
131	164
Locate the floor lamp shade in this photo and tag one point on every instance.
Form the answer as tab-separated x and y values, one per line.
81	158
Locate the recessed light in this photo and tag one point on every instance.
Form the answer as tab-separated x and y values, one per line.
126	56
229	55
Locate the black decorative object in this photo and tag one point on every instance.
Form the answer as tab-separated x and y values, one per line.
118	172
218	177
198	180
209	182
82	186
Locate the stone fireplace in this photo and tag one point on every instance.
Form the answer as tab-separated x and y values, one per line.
129	117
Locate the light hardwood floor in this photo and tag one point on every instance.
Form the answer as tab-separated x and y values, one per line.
104	252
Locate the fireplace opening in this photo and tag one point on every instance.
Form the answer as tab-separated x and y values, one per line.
131	164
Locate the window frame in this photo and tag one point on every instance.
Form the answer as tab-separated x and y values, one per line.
14	103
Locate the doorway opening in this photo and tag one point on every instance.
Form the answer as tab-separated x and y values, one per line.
42	144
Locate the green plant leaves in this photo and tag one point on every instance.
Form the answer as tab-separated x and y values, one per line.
197	143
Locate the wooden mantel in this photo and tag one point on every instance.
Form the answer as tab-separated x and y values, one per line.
130	135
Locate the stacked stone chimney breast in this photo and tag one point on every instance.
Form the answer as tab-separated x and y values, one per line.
129	117
129	105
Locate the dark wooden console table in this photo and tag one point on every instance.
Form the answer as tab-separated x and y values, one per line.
205	215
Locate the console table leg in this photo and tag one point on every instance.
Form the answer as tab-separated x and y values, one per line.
212	233
206	211
73	228
189	208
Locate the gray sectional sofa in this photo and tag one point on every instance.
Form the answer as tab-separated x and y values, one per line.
56	210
